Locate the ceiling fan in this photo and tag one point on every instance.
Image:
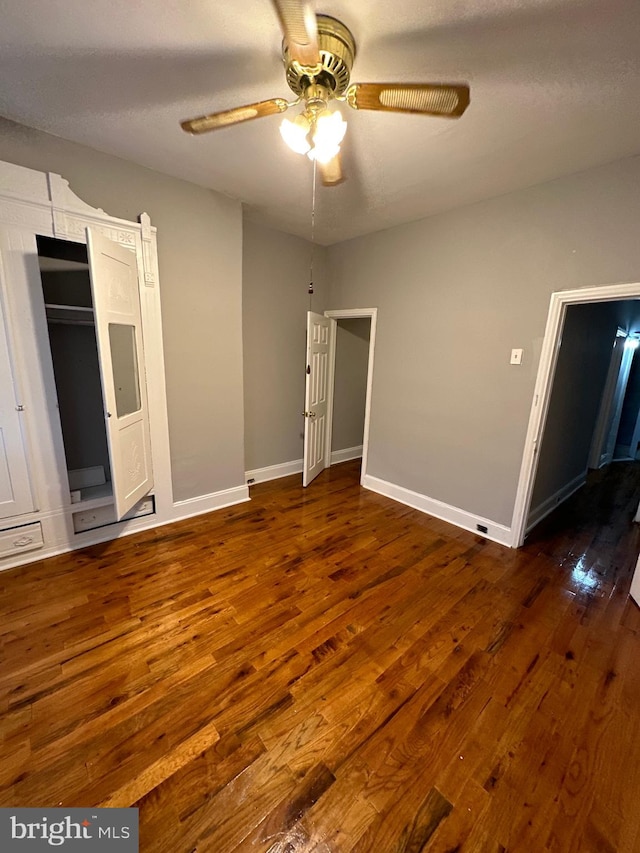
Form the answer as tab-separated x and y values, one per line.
318	53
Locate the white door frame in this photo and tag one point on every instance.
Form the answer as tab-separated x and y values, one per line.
352	314
560	300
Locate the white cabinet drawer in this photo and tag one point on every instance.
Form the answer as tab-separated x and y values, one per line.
101	516
23	538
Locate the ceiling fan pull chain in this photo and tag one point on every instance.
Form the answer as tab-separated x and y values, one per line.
313	231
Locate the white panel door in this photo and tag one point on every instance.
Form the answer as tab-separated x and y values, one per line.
316	395
116	304
15	490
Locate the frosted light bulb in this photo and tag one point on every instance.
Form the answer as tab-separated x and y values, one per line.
328	134
295	133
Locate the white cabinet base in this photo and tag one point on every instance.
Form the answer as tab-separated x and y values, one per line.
16	540
101	516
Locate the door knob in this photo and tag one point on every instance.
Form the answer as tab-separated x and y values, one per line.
309	414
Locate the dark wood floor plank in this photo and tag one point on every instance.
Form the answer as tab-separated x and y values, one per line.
326	671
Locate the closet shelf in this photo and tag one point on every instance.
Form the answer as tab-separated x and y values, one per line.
85	308
74	315
94	496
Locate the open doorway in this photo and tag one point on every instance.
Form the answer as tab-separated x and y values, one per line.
554	464
350	384
349	388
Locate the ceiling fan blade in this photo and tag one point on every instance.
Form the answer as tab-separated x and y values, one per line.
214	121
331	172
300	28
435	99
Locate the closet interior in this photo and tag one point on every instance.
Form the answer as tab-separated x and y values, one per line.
66	290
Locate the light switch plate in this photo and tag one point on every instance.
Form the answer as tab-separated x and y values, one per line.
516	356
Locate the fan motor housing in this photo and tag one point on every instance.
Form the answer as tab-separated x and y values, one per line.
337	48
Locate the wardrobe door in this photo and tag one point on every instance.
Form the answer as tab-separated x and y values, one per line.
116	303
15	489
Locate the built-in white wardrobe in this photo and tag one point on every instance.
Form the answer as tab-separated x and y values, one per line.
84	453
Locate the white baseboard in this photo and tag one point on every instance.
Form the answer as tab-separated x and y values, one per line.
285	469
458	517
273	472
536	514
207	503
346	455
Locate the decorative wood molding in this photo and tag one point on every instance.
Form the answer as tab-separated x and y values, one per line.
147	250
62	196
45	201
21	214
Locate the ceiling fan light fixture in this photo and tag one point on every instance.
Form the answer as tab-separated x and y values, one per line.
330	128
296	133
318	136
318	53
323	155
328	133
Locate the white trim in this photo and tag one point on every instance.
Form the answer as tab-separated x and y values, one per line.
544	383
347	314
547	506
458	517
208	503
274	472
346	455
331	387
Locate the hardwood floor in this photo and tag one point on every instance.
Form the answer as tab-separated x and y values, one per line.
326	670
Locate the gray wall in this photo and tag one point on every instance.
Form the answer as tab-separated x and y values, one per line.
200	259
350	390
581	371
455	293
276	270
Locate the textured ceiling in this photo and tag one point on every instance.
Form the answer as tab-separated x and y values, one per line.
554	90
